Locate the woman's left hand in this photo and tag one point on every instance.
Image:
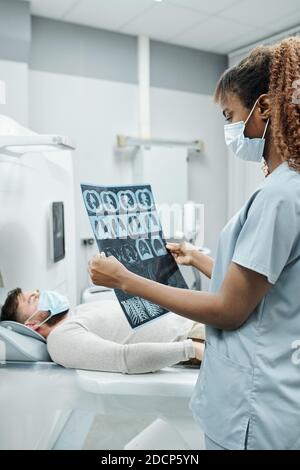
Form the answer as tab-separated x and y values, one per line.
107	272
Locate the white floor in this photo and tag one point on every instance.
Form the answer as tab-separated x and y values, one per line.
85	431
111	432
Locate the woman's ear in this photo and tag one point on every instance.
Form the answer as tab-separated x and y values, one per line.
264	106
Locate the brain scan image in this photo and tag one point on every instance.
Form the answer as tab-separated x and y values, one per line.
92	201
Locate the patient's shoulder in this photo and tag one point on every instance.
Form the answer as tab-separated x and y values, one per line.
99	306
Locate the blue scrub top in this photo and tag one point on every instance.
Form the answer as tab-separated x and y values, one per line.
250	379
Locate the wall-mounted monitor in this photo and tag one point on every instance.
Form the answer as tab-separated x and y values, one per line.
58	236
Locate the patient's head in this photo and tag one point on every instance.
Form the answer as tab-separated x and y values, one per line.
23	307
19	305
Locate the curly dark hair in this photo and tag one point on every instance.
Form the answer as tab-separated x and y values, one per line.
9	310
272	70
10	306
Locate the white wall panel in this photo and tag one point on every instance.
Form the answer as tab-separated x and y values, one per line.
92	112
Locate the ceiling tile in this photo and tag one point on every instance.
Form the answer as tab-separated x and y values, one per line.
204	35
164	21
212	6
260	12
251	37
190	23
107	14
205	44
286	22
51	8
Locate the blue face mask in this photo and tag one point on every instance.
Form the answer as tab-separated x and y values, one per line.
51	302
247	149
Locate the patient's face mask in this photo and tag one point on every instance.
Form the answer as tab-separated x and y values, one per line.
51	302
243	147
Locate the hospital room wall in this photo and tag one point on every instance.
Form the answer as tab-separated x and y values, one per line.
15	33
101	110
91	112
77	100
28	186
15	76
188	116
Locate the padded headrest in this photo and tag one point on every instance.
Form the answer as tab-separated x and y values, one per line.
3	295
22	344
22	329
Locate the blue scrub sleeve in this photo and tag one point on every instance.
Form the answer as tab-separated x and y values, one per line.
268	234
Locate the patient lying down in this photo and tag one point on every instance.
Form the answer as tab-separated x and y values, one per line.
97	336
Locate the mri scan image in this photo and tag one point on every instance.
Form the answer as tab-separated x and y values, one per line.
151	222
143	250
144	198
127	200
92	201
135	225
95	226
110	201
104	227
129	254
122	224
158	247
113	252
126	225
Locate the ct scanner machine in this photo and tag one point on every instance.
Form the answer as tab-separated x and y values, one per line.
45	406
42	405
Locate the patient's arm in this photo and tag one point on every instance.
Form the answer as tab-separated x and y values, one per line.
74	347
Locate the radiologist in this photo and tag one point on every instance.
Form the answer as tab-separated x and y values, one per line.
247	393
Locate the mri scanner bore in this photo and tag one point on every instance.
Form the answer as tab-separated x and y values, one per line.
125	224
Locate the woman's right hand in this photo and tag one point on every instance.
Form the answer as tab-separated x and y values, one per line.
182	252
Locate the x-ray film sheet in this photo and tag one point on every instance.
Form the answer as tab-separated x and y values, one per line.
125	224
